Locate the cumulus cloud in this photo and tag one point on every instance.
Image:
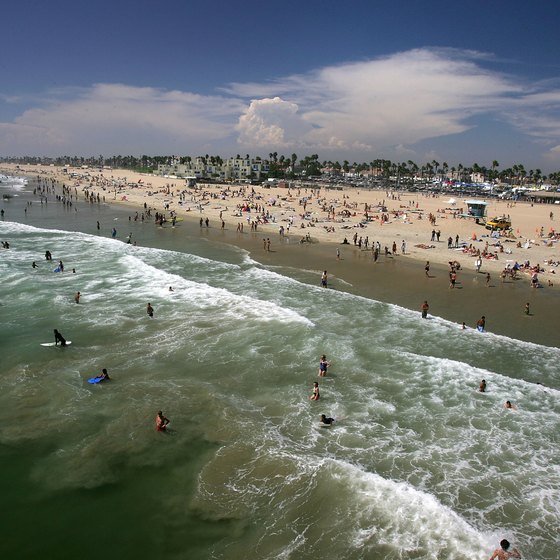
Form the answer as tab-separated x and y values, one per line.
397	100
384	107
271	123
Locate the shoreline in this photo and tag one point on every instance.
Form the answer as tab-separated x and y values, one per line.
396	279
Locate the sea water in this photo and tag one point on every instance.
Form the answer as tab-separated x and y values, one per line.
419	464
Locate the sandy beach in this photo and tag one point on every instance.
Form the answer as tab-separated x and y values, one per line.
306	229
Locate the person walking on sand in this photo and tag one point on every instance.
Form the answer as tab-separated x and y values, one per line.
487	279
324	279
427	269
527	309
452	279
502	552
424	308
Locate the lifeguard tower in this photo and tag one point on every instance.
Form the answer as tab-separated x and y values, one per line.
476	209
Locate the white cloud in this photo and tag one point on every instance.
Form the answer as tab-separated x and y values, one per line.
385	107
271	123
115	118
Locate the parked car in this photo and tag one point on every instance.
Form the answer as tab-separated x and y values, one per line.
498	223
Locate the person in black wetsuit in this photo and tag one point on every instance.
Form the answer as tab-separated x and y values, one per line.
325	420
59	338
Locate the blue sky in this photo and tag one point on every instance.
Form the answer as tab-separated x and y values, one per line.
456	81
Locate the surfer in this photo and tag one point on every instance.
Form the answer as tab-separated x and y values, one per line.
77	297
482	386
48	256
481	324
323	366
34	265
61	266
502	552
150	310
424	309
326	420
59	338
315	395
161	422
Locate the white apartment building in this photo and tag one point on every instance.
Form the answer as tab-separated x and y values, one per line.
224	170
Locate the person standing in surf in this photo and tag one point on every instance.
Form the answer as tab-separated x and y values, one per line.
323	366
150	310
424	309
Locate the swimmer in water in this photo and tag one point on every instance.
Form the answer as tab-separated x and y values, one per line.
161	422
508	404
482	386
327	421
77	297
502	552
150	310
315	396
104	376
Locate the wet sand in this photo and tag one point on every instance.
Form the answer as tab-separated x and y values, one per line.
400	280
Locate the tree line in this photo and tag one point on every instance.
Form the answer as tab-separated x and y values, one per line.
290	166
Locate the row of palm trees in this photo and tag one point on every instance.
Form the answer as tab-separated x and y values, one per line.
282	166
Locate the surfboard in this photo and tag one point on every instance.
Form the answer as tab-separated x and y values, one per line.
68	342
57	269
95	379
480	328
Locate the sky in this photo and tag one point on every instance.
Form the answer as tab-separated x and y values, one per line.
460	81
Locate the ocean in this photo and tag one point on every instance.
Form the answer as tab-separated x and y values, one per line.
418	465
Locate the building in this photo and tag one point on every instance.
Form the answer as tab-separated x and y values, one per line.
232	169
